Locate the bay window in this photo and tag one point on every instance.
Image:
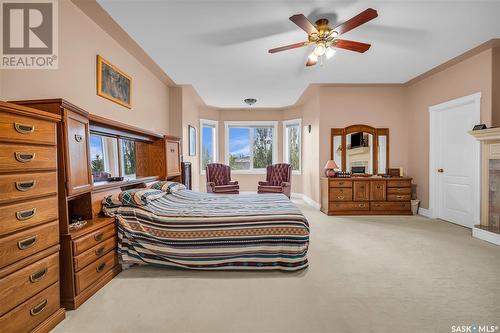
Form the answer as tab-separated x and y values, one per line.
250	145
292	130
208	138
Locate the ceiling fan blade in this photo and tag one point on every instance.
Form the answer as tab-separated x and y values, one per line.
351	45
288	47
303	23
356	21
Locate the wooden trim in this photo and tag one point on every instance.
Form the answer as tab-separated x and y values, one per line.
111	185
100	60
62	103
101	122
19	109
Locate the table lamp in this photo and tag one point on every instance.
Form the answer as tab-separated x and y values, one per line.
330	168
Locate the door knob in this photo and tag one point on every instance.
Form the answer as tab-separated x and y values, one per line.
440	170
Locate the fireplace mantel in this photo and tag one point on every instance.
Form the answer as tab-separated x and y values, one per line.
489	229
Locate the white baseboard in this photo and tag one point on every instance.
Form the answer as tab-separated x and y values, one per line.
307	200
424	212
485	235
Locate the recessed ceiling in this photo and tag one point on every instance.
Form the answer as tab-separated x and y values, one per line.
220	47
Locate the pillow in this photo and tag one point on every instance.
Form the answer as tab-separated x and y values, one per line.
167	186
133	197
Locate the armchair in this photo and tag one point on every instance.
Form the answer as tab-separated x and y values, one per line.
219	179
278	179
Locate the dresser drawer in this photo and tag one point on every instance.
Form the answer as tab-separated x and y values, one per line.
390	206
349	206
340	183
398	183
33	312
17	287
94	253
86	242
27	214
24	243
14	157
16	128
398	197
340	194
399	190
94	271
27	186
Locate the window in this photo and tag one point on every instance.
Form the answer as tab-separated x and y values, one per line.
103	157
292	130
111	157
127	158
250	146
208	138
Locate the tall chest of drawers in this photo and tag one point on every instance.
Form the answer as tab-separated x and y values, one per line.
29	227
366	196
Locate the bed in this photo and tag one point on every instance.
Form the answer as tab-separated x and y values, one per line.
202	231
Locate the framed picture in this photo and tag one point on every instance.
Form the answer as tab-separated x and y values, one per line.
192	140
113	84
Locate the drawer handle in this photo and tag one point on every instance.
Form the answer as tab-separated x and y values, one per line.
24	215
100	268
25	186
25	157
99	252
98	237
361	205
341	183
35	277
38	308
377	205
27	243
340	197
78	137
378	187
24	129
399	196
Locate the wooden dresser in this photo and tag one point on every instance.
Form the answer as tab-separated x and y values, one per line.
29	228
366	196
88	257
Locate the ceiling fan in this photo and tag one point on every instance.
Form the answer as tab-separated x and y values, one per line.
325	38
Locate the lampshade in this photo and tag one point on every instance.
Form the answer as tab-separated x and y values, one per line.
331	165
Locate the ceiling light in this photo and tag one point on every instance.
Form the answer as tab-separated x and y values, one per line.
320	49
329	52
250	101
313	57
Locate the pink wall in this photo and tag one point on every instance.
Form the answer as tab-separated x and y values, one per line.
80	40
467	77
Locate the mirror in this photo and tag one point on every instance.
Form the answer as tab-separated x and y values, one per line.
360	149
359	153
103	157
337	150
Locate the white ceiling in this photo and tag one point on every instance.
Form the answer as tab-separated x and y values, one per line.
220	47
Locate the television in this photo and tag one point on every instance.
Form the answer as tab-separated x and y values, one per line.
356	139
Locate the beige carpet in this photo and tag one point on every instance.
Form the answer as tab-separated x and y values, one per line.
366	274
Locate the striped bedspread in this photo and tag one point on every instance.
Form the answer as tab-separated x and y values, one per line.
196	230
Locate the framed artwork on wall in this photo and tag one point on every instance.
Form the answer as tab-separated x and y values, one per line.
113	83
192	140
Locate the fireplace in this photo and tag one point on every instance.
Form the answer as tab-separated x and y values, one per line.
489	229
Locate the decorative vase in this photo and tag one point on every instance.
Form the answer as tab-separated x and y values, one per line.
329	172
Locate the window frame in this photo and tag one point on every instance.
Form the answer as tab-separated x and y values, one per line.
297	121
251	124
215	124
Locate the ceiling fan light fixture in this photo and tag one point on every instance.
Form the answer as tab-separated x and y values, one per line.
330	52
320	49
313	57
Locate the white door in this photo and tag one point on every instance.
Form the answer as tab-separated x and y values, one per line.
455	161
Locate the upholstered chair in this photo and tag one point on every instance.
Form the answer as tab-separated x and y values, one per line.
278	179
219	179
